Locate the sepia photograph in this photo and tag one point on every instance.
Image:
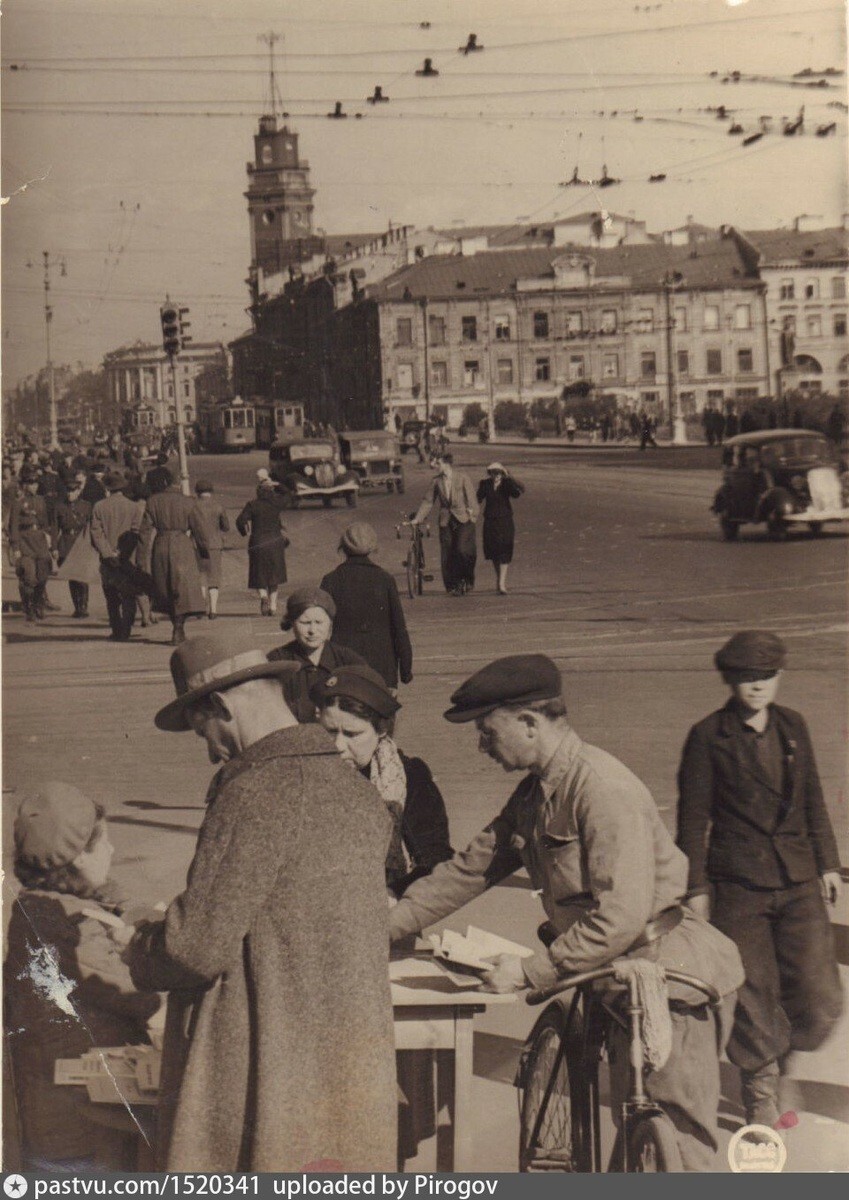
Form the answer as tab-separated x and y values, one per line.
425	515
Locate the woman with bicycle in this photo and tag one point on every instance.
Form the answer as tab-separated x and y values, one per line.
609	875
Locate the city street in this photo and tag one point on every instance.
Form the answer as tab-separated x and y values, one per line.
620	575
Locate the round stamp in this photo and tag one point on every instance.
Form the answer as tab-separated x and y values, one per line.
756	1149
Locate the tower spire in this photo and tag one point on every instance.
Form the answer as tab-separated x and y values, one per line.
275	99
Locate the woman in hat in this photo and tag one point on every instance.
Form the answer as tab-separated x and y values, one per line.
215	521
494	495
67	989
261	517
309	614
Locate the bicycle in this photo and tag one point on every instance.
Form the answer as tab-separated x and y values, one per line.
559	1085
414	563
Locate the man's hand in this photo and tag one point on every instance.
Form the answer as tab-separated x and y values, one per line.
700	905
505	975
831	886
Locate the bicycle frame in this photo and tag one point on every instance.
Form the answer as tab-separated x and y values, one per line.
586	1030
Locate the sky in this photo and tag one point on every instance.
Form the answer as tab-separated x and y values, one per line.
127	125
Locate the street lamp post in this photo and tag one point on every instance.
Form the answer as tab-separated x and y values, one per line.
670	281
51	378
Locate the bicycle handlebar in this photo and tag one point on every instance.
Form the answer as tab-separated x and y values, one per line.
540	995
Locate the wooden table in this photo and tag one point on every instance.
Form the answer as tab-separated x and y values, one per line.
432	1014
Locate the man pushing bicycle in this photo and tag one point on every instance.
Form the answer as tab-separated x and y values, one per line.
610	877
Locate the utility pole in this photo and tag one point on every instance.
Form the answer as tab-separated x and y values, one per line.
423	303
173	339
48	319
679	429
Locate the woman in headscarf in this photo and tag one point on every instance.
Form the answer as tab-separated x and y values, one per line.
494	495
309	614
267	543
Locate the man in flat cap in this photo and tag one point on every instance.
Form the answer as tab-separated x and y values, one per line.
753	824
610	877
281	931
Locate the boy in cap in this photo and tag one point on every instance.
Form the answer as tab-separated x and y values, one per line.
609	875
763	861
33	564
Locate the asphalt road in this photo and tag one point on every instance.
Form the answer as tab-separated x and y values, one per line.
619	575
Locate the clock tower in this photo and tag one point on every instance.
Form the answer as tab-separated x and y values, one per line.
279	200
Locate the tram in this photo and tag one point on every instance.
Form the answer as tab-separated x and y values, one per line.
230	425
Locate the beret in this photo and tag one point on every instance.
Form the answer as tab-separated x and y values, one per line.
753	651
359	538
356	682
517	679
54	825
301	599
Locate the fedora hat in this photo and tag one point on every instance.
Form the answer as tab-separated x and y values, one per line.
213	662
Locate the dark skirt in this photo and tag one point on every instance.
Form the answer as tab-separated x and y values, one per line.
498	537
267	563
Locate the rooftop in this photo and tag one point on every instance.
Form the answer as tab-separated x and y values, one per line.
786	245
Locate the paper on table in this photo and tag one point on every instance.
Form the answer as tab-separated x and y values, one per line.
73	1071
473	949
123	1089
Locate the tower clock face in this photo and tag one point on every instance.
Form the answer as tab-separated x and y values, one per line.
288	146
268	216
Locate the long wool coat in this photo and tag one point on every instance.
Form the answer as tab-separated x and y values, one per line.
267	543
174	562
284	926
498	527
369	617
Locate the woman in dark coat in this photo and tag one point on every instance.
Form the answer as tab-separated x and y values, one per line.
174	563
494	495
216	521
72	518
266	545
309	614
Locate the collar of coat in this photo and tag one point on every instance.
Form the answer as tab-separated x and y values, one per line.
731	730
298	741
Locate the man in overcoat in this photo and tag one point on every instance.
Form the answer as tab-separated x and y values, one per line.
454	497
753	824
369	618
609	875
276	954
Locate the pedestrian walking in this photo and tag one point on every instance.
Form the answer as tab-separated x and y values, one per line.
646	425
160	477
33	564
215	522
454	497
369	618
731	424
115	524
262	518
279	1048
610	878
73	518
64	919
495	494
180	539
763	863
309	614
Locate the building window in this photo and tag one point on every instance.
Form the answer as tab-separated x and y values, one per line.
436	330
843	388
840	324
540	324
813	325
715	395
405	376
743	316
746	393
471	371
812	289
609	321
169	390
187	389
574	324
645	320
404	331
649	397
505	370
714	362
439	374
542	370
681	320
576	366
711	316
470	329
838	287
610	366
745	362
189	414
683	362
502	328
648	364
814	386
688	403
787	290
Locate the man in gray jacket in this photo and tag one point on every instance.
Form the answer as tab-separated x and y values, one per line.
454	496
115	524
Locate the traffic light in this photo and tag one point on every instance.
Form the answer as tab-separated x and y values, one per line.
169	315
184	325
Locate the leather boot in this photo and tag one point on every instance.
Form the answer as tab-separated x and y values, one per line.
760	1095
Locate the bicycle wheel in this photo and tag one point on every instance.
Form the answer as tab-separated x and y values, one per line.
653	1146
548	1135
420	571
411	573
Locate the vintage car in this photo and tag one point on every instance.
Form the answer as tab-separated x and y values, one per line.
784	478
375	457
309	468
411	431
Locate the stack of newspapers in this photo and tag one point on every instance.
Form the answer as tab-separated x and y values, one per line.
113	1075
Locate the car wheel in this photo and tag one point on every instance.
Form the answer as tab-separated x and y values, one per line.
351	499
730	529
399	487
776	529
296	501
327	501
815	528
